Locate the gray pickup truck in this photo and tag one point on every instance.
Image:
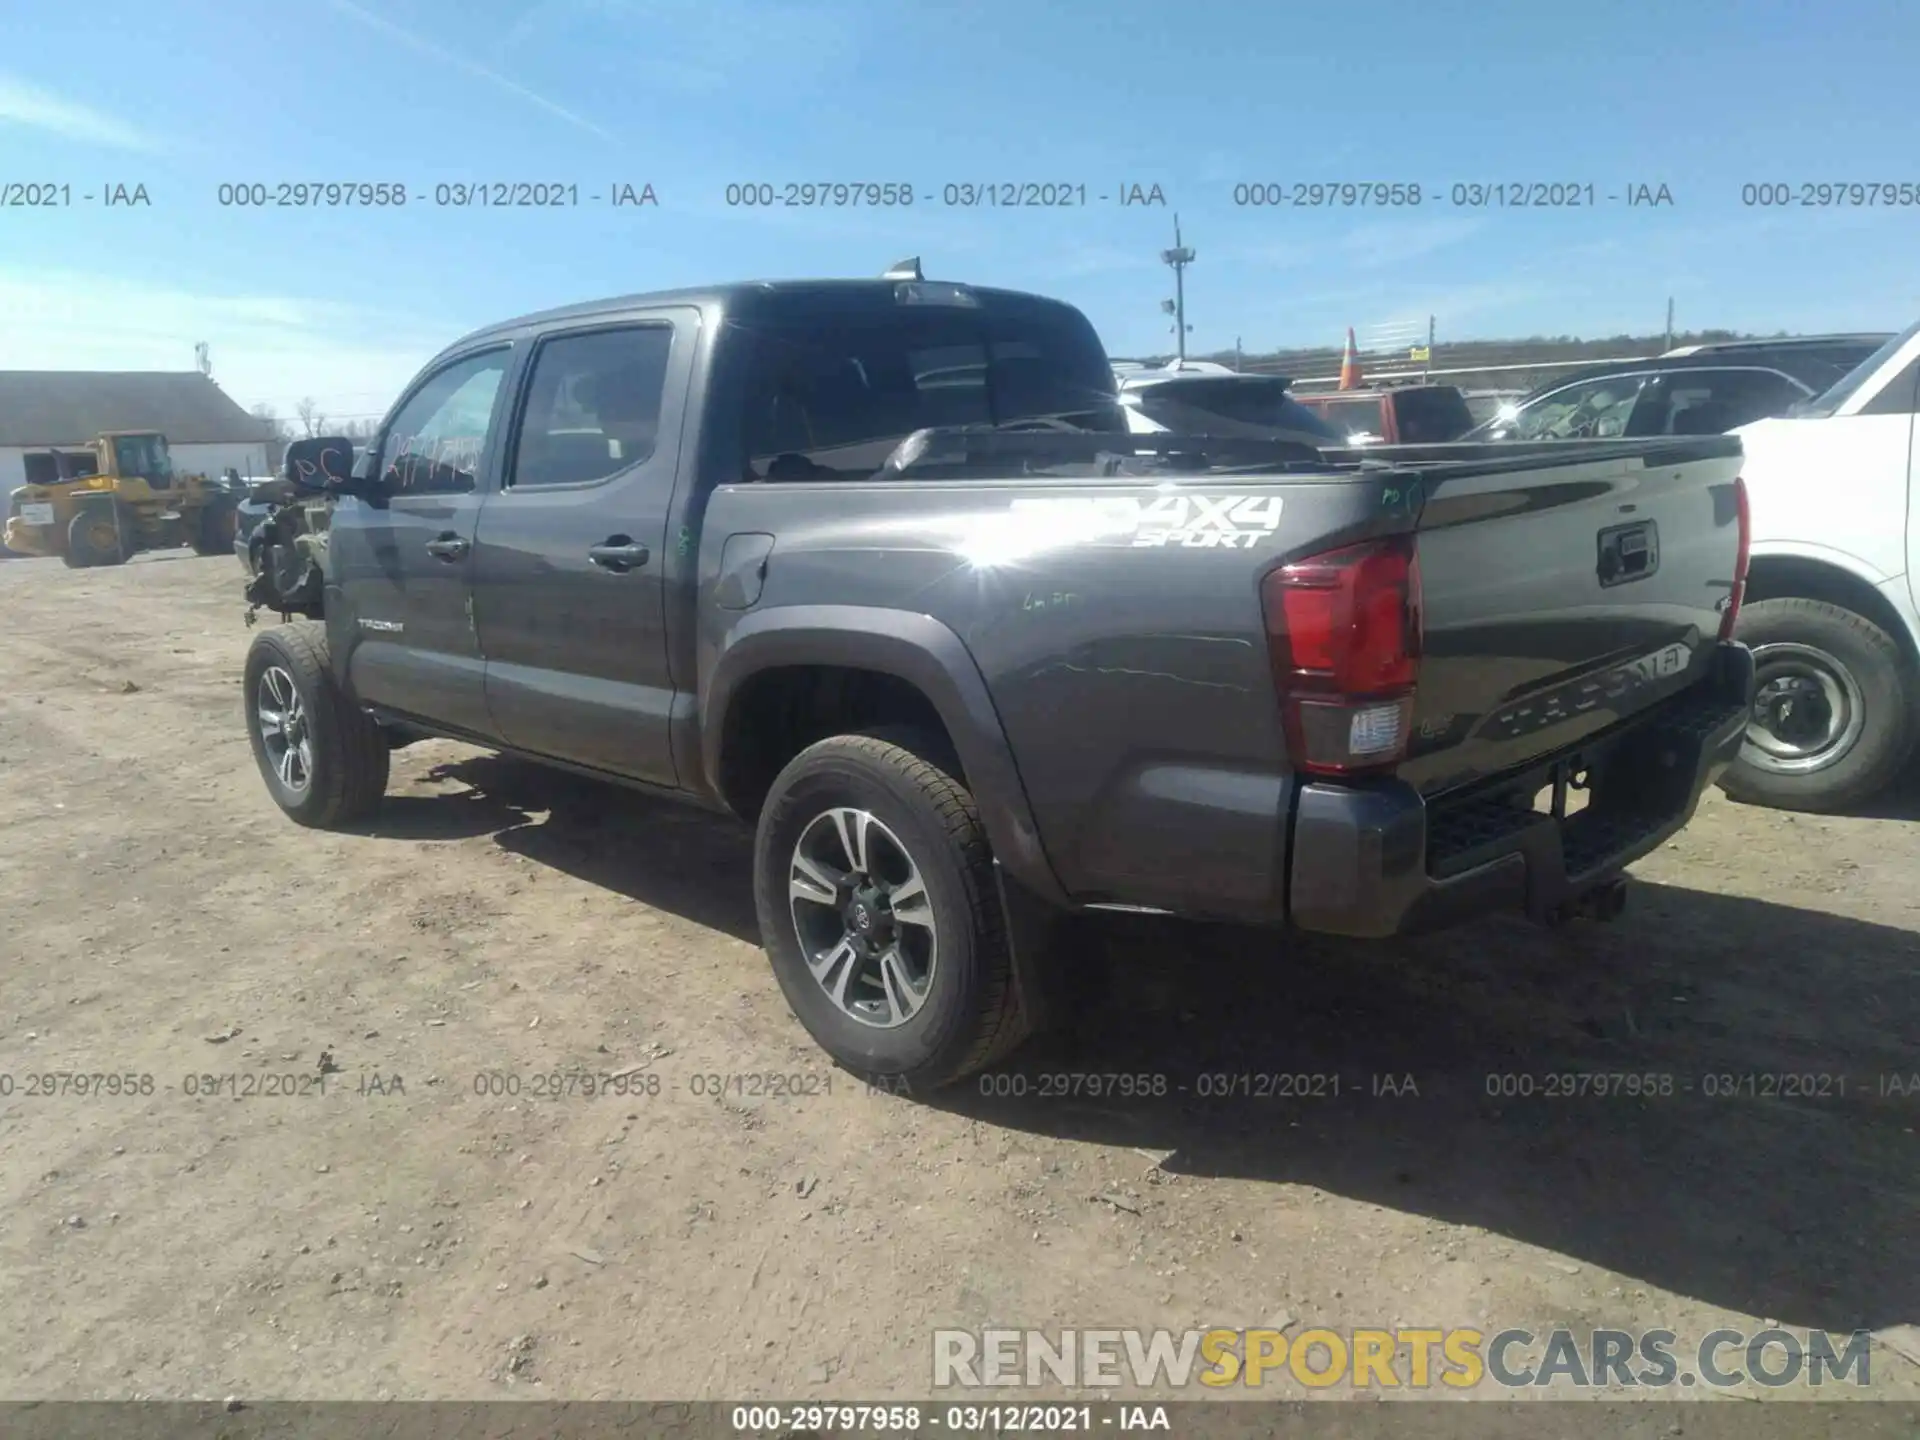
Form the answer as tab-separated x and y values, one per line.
876	567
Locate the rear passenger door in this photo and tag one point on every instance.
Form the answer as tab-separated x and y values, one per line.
570	555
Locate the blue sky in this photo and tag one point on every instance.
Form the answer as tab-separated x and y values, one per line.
690	95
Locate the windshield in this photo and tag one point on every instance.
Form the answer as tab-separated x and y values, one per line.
143	455
1829	401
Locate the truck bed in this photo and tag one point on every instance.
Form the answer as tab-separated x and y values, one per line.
1118	624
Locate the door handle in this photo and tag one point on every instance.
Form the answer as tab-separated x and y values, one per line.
618	554
447	547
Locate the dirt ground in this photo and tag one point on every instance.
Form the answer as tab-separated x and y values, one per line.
405	1235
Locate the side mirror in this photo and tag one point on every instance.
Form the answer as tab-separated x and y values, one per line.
322	462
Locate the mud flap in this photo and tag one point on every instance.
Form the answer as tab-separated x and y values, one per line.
1056	968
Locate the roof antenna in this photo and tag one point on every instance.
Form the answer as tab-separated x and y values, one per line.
908	269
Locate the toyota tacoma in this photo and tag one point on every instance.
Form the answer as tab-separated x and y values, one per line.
876	567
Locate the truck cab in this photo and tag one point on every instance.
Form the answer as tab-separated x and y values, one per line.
881	568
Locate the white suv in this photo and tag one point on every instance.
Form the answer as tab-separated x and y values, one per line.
1832	605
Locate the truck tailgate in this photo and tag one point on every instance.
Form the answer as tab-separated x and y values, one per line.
1566	587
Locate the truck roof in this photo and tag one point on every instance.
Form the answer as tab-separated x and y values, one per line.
745	297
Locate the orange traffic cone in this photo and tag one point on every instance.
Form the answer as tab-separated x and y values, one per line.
1349	365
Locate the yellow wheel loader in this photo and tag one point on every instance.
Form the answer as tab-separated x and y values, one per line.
103	506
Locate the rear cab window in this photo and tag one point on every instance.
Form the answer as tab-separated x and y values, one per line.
831	389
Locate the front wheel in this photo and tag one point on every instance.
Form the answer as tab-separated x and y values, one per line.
324	760
1832	723
93	538
879	912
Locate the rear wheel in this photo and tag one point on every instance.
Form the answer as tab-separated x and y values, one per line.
1832	721
93	538
878	909
324	760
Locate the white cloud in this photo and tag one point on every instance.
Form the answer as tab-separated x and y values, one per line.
352	360
428	48
24	104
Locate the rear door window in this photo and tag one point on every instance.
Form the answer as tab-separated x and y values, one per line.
594	406
1711	402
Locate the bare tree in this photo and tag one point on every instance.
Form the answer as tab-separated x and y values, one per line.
310	416
275	433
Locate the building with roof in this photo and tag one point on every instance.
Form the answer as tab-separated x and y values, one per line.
64	410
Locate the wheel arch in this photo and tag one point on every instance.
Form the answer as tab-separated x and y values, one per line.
905	649
1836	580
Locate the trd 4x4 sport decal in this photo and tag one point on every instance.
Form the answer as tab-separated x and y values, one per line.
1186	521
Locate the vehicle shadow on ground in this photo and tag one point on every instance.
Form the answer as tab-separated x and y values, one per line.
1900	801
662	853
1798	1208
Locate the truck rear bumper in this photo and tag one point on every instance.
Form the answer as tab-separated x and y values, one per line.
1377	860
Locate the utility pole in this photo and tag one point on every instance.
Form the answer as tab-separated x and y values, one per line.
1179	257
1427	373
1239	355
1669	344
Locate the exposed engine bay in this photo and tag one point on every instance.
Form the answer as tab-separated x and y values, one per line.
287	553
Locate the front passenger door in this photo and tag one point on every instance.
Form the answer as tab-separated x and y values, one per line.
402	565
571	556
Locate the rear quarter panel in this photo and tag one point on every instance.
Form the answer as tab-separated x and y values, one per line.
1126	659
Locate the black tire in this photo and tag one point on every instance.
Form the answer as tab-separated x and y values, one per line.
347	774
87	543
213	532
971	1015
1804	638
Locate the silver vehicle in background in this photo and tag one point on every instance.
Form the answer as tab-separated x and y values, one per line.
1200	397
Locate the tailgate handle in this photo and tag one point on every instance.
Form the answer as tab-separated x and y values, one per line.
1628	553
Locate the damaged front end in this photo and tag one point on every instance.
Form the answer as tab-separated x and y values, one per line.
286	552
287	559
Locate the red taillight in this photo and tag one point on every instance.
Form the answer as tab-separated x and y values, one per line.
1731	615
1343	630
